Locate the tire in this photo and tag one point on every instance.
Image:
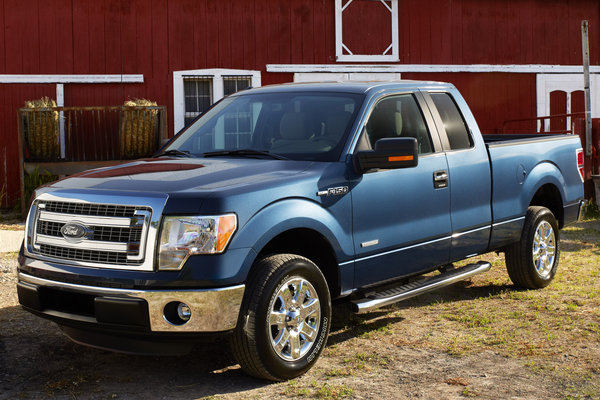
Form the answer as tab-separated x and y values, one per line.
532	262
284	320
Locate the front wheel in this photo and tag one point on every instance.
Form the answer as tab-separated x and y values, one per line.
532	262
284	320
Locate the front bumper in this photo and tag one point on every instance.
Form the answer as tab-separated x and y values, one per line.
212	310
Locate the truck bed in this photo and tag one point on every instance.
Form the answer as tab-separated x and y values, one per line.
509	139
521	165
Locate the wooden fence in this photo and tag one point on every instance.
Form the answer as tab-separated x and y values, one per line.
66	140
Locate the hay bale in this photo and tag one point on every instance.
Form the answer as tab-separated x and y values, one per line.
138	128
41	129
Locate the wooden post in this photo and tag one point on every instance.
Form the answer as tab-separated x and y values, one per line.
586	87
20	144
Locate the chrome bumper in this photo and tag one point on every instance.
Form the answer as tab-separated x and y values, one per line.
212	310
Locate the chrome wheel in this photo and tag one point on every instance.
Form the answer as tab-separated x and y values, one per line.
293	319
544	249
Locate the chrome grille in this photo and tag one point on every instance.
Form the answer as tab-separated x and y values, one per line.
107	210
102	233
105	257
108	235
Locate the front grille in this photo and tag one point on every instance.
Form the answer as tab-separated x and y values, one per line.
105	234
104	257
107	210
102	233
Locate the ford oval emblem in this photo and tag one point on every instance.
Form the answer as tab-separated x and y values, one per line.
73	231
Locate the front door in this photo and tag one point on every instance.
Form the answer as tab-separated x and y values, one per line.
401	217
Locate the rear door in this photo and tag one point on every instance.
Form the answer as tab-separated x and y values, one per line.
469	173
401	217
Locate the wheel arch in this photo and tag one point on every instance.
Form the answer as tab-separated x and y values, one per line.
312	245
302	227
549	196
545	186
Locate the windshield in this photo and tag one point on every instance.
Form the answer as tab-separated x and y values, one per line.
299	126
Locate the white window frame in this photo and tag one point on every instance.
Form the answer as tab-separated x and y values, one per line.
217	75
568	83
339	43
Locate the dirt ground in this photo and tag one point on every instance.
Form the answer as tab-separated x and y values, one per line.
410	350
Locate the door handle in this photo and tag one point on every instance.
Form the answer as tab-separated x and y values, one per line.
440	179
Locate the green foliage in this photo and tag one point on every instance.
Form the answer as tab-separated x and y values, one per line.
35	180
591	210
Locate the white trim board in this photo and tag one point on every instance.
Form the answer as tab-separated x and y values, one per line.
517	68
14	78
346	76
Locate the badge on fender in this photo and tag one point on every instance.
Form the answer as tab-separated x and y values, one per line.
336	191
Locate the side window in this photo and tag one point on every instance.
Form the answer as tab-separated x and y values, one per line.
456	128
399	116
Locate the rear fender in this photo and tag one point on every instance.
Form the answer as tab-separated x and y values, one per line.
542	174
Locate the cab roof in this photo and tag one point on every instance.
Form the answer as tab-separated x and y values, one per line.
349	87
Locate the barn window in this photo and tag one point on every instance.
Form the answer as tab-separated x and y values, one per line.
232	84
195	91
366	30
198	96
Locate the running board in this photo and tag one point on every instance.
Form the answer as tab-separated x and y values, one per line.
412	289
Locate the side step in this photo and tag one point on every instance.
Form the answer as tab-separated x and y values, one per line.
412	289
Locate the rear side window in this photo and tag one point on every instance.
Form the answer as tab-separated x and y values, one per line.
456	128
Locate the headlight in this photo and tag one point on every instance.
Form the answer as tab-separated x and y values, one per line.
182	237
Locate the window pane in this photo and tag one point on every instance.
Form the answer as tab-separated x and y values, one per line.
399	116
299	126
456	128
232	84
197	91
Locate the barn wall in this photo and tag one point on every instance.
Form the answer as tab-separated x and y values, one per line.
492	97
157	37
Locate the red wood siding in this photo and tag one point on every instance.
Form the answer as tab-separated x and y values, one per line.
493	98
157	37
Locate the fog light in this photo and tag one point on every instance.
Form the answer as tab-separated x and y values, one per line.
184	312
177	313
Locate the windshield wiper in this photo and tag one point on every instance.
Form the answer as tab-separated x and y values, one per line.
243	153
174	153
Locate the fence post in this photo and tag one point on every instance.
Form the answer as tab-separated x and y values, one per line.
586	87
20	146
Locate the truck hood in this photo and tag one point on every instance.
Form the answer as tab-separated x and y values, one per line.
177	175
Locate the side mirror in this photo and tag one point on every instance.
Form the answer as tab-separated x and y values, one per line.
389	153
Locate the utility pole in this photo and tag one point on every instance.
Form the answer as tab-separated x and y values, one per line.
586	86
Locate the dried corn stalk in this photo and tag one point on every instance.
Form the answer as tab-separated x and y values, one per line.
137	129
41	129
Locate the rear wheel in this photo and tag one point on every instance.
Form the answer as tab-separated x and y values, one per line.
285	316
532	262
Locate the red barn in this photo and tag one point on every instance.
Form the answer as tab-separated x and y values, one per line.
512	59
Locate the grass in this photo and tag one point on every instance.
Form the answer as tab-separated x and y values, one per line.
553	332
317	390
558	325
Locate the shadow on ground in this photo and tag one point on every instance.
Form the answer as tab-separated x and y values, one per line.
37	360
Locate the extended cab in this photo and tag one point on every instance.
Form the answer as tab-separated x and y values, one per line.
278	200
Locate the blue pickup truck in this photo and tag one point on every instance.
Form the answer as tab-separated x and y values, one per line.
280	199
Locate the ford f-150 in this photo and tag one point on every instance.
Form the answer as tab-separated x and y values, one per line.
280	199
